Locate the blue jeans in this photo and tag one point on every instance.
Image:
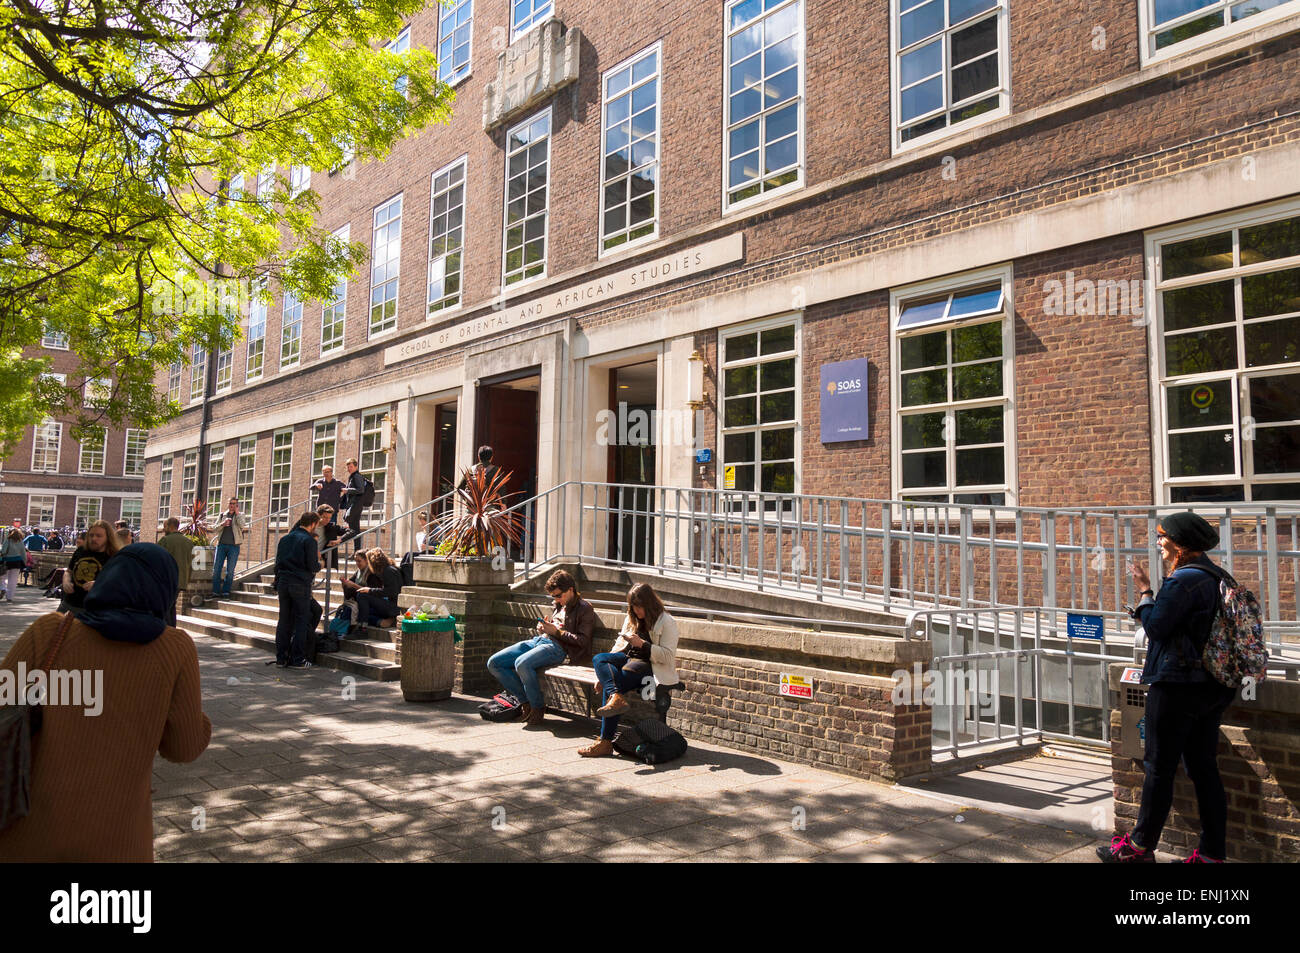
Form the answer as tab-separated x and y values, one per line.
516	667
613	678
229	555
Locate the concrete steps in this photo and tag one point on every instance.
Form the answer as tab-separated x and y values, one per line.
249	618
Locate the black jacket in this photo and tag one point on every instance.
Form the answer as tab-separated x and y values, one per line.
330	493
297	557
1177	624
353	489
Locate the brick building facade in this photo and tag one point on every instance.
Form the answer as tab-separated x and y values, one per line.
53	480
1063	237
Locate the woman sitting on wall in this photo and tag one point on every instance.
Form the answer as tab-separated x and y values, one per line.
646	648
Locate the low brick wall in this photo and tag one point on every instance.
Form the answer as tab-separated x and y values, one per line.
1259	758
733	679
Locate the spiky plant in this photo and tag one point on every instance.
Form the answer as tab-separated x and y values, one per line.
196	525
481	522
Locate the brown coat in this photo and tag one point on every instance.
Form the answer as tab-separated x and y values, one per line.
91	775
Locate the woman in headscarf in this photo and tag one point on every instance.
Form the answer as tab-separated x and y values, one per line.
92	761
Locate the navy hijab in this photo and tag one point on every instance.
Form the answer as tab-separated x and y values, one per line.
131	596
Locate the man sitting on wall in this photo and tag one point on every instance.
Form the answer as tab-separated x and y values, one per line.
567	631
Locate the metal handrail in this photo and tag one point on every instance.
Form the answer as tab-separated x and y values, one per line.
279	514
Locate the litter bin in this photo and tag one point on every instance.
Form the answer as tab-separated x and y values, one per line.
428	659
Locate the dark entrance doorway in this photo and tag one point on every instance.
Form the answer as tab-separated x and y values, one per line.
506	420
444	453
633	396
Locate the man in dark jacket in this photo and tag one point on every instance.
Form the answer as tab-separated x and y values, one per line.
329	490
297	561
1185	703
567	632
352	492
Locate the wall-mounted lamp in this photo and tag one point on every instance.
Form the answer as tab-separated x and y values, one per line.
390	435
695	381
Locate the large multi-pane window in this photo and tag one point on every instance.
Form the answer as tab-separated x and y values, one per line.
454	25
256	333
400	44
133	461
198	372
216	477
299	180
90	509
266	182
950	65
225	368
46	439
763	147
189	477
953	350
1227	345
335	310
132	511
446	236
760	407
385	257
58	340
40	512
165	490
528	148
174	382
281	470
525	14
97	392
244	474
92	450
374	460
322	447
630	157
1183	24
290	331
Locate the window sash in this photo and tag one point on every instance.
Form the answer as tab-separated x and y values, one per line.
281	470
38	507
618	184
526	14
529	202
741	184
385	245
47	440
455	36
245	472
324	447
373	459
751	467
90	509
93	452
133	459
290	331
447	236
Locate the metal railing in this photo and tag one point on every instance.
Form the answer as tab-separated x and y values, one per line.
901	555
272	527
1014	675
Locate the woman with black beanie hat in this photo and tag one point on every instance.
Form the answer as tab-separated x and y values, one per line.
1185	704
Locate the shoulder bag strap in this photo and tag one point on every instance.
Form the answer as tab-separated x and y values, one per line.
53	650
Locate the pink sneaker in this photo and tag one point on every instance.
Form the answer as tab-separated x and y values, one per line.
1198	858
1122	850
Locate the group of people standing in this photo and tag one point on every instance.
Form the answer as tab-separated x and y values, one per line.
645	653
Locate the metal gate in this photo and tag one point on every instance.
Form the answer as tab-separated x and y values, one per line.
1015	676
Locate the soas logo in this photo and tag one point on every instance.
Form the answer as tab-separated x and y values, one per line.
830	388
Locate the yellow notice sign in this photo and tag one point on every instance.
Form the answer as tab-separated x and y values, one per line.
729	478
796	686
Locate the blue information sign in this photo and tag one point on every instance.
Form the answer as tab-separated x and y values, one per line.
846	410
1079	626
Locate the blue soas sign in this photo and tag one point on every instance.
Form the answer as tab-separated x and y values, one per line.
845	408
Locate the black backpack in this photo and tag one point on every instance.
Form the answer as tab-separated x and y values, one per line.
407	567
367	491
502	707
651	742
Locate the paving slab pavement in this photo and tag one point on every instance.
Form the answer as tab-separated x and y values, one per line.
314	766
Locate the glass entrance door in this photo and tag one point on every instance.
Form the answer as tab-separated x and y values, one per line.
633	398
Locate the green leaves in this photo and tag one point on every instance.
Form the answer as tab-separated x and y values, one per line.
126	120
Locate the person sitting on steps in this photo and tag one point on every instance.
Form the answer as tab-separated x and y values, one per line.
377	599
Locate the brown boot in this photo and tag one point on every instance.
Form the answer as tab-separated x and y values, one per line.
602	748
536	716
525	711
616	705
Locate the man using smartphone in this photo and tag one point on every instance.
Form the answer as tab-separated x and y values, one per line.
230	526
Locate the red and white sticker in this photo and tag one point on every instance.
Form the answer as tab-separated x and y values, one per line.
796	686
1131	676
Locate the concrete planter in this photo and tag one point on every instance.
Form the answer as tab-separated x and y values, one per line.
441	572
